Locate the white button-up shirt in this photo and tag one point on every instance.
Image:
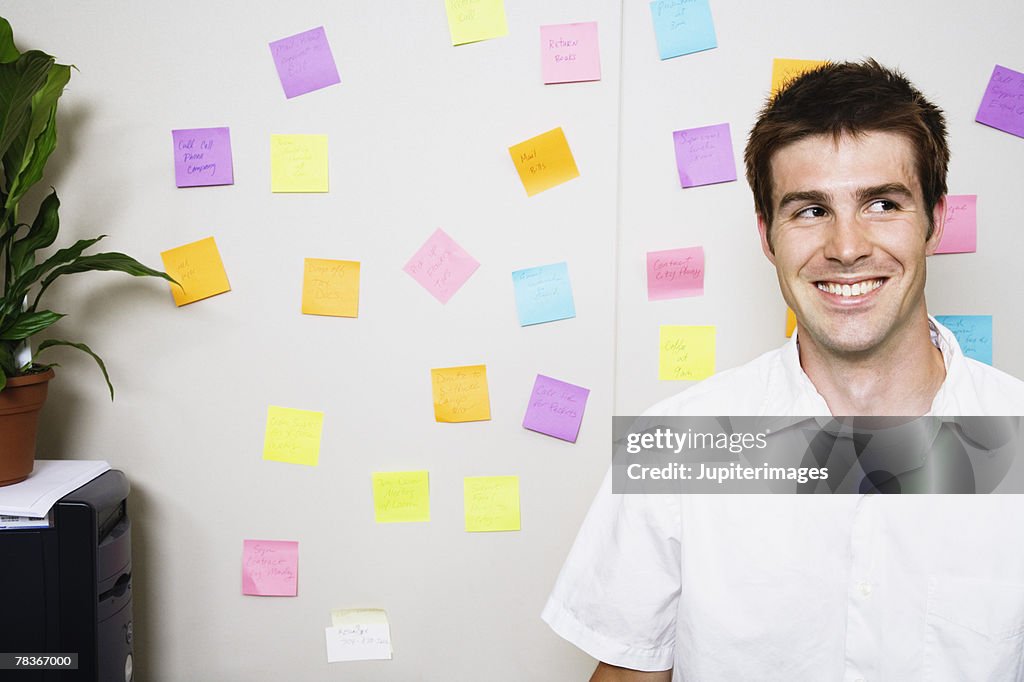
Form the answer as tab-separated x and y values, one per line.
804	587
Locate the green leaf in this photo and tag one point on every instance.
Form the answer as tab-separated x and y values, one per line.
117	262
21	285
27	324
19	82
8	52
29	153
3	380
42	233
85	349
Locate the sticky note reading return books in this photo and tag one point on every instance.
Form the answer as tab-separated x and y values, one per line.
543	294
675	273
1002	105
358	635
686	353
704	155
960	233
785	70
330	287
401	496
298	163
491	503
544	161
682	27
470	21
973	333
270	568
569	53
556	408
460	394
197	267
304	62
441	266
202	157
293	436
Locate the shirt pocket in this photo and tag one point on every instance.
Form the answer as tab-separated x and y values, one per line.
974	631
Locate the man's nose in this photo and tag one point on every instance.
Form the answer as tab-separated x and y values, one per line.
848	240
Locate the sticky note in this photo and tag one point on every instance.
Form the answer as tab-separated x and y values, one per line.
973	333
675	273
401	496
202	157
270	568
441	266
682	27
491	503
544	161
358	635
460	394
686	353
330	287
790	322
1002	105
298	163
470	21
304	62
556	408
960	234
569	53
197	267
785	70
543	294
704	155
293	436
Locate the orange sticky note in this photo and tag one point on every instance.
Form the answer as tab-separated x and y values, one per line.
460	394
785	70
330	287
199	270
544	161
790	322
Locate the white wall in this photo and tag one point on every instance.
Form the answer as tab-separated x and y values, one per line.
418	136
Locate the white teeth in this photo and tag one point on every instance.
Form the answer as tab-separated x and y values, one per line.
855	289
847	290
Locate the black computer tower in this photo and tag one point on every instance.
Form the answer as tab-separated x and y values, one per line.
67	588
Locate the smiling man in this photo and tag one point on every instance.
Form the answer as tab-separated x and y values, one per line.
848	169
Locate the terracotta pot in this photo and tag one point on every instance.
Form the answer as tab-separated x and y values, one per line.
20	402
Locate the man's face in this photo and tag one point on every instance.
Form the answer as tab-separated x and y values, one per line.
848	239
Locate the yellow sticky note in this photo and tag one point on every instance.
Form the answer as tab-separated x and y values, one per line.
470	21
790	322
293	436
401	496
298	163
686	353
491	502
544	161
785	70
460	394
330	287
197	267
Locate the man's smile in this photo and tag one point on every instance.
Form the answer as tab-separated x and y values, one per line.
850	288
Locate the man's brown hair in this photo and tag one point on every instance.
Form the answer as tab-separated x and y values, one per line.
848	98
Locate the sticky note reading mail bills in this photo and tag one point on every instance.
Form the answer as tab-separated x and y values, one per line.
544	161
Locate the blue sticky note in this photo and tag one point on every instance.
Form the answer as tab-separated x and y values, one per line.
973	332
682	27
543	294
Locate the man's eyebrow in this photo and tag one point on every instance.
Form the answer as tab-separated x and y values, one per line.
889	188
811	195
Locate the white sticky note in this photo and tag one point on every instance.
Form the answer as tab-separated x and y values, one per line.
358	642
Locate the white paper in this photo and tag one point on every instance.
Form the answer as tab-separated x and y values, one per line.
369	642
50	480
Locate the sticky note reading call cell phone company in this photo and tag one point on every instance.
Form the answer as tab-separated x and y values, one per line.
202	157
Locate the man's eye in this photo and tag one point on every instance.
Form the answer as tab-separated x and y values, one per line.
811	212
882	206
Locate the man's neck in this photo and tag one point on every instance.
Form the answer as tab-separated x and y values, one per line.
900	379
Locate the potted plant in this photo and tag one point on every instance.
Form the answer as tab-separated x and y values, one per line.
30	85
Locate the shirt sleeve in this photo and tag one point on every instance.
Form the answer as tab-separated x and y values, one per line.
617	594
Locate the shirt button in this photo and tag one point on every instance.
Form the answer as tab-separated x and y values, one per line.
865	590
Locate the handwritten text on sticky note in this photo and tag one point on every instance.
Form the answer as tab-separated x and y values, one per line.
544	161
270	568
543	294
298	163
198	269
682	27
330	287
441	266
973	333
960	234
293	436
491	503
471	21
401	496
704	155
569	53
460	394
202	157
675	273
304	62
1002	105
556	408
686	353
358	635
785	70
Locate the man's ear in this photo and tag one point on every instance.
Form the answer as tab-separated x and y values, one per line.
938	225
762	228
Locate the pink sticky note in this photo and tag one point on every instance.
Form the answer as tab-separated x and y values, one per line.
961	232
270	568
556	408
569	53
304	62
704	155
675	273
441	266
1002	105
202	157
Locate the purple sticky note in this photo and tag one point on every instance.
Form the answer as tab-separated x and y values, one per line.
569	53
556	408
270	568
704	155
960	234
441	266
1002	106
304	62
675	273
202	157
